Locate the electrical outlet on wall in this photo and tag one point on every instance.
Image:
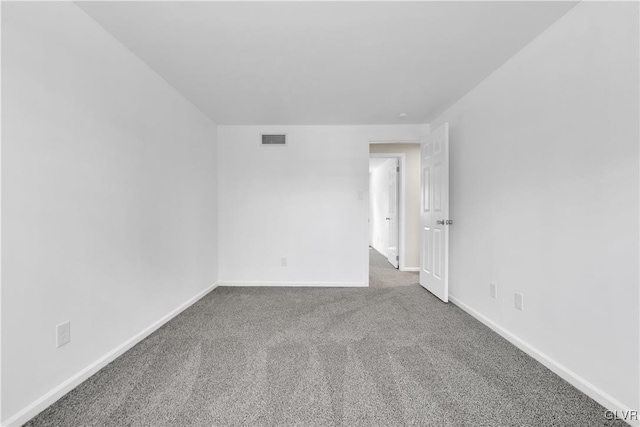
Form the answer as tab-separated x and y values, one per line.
518	301
493	290
283	261
63	333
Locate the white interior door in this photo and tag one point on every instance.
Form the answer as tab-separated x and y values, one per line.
392	219
434	213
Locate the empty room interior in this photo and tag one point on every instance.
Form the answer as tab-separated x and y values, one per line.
320	213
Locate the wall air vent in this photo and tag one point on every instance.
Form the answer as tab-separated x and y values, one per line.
274	139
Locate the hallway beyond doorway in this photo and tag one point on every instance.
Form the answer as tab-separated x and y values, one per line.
384	275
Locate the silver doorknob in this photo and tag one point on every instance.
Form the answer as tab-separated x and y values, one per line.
440	222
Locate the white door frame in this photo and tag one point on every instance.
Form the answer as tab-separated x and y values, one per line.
401	203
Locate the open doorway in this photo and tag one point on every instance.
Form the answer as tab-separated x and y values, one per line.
384	206
394	214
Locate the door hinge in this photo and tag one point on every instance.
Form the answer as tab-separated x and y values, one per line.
397	168
397	257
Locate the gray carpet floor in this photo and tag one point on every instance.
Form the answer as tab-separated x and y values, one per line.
383	275
324	356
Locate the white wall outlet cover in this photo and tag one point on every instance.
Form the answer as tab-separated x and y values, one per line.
519	301
63	333
283	261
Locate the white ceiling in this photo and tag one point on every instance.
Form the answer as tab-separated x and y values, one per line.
324	62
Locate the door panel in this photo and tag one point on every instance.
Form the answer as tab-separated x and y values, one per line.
427	252
437	253
434	218
426	185
437	187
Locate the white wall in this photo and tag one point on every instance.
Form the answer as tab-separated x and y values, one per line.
108	196
544	197
379	205
299	202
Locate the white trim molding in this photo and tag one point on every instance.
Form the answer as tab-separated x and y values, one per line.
410	269
397	141
66	386
597	394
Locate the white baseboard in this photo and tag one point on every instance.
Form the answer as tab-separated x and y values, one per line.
56	393
410	269
597	394
296	284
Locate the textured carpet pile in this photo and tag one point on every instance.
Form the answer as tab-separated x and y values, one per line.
324	356
383	275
